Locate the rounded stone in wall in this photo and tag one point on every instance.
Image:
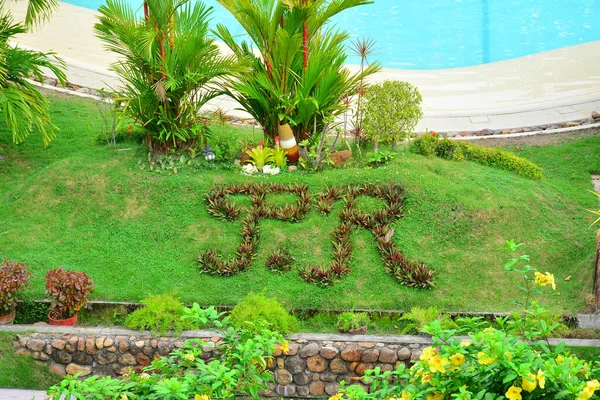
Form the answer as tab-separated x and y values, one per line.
62	357
309	350
316	363
332	388
316	388
82	358
351	353
328	376
388	356
283	377
302	379
105	357
287	390
36	344
302	391
370	355
338	366
329	352
295	364
404	354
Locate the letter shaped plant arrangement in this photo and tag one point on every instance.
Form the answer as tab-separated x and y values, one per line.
379	223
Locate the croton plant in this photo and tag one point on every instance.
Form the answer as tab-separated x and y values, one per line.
69	291
13	279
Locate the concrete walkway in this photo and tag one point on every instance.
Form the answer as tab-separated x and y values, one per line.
18	394
547	88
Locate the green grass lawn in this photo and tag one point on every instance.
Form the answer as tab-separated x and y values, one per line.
87	207
21	372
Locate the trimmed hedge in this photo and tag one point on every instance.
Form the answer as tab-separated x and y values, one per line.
429	145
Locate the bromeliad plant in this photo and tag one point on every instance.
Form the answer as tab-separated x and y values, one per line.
240	370
168	65
297	73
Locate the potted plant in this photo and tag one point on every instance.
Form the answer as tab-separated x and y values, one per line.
353	323
13	278
69	291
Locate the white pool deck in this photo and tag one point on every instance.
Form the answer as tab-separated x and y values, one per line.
547	88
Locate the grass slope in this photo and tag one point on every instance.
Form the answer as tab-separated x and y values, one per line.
21	372
90	208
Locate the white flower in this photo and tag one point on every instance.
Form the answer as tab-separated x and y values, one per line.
249	169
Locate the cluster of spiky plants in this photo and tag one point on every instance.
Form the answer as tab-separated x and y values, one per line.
280	261
379	223
219	204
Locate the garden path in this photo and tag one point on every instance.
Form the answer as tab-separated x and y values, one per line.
19	394
548	88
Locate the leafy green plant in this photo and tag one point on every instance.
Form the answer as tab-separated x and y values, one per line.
260	156
297	73
428	145
258	307
69	291
381	158
30	311
279	157
280	260
23	107
160	314
417	318
350	321
13	279
168	65
239	370
392	110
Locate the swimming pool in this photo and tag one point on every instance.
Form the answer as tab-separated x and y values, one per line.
440	34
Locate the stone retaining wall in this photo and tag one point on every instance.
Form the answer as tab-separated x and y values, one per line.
312	368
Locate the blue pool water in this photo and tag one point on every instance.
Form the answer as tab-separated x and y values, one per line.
439	34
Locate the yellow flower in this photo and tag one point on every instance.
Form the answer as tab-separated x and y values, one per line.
513	393
508	355
201	397
529	385
406	396
489	330
586	393
484	360
435	396
426	378
284	348
189	357
124	397
560	359
594	385
545	279
541	378
465	343
438	364
336	396
457	359
427	354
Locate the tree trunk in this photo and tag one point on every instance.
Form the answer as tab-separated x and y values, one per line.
376	145
395	145
597	271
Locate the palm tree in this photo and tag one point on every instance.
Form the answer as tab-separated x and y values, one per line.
168	66
23	106
298	76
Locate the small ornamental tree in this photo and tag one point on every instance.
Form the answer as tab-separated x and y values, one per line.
13	278
69	291
392	110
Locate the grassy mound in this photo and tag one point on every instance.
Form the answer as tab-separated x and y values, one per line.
136	233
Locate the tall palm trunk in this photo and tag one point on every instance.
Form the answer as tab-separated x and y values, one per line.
305	44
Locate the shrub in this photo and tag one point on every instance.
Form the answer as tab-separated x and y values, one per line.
392	110
349	321
160	314
428	145
418	318
13	278
257	307
69	291
240	370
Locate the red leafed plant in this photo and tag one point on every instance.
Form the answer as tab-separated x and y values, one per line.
13	278
69	291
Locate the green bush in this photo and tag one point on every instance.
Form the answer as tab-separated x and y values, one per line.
392	110
160	314
418	318
225	142
258	307
428	145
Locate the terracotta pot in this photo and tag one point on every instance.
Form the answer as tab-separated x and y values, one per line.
61	322
7	319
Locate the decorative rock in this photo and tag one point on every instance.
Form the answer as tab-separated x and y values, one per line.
48	349
154	343
127	359
123	346
404	354
164	348
292	168
73	369
90	346
62	357
309	350
366	345
82	358
287	390
301	379
73	340
328	376
283	377
302	391
332	388
370	355
179	344
22	352
69	348
295	364
360	370
111	349
100	342
139	344
108	342
573	123
293	349
338	366
142	359
148	350
316	388
57	369
351	353
122	370
50	81
353	366
388	356
58	344
104	358
36	344
329	352
595	115
38	355
81	344
339	158
316	364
